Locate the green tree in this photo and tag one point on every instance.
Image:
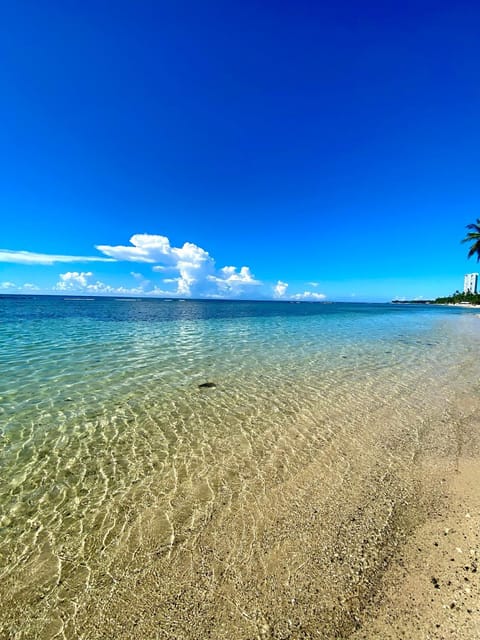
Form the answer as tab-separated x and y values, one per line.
473	236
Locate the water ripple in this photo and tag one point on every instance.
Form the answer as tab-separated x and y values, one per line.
116	466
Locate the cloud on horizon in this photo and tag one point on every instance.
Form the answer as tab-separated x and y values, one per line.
280	289
308	295
196	273
30	257
188	271
81	281
12	287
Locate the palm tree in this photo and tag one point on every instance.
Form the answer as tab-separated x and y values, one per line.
473	236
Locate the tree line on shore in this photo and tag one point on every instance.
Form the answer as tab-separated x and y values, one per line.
462	297
459	297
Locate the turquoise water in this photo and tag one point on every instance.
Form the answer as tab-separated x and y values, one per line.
113	457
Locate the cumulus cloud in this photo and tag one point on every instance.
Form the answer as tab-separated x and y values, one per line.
244	276
81	281
29	257
27	286
230	280
143	282
280	289
184	271
145	247
308	295
193	268
159	292
192	263
74	279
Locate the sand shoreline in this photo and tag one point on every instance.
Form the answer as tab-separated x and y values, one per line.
463	306
312	559
392	555
320	525
431	589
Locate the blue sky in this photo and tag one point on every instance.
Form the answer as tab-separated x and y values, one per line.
241	149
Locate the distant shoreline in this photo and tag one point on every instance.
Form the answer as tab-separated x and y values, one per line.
413	302
461	305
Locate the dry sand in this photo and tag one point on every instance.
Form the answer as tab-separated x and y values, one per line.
431	590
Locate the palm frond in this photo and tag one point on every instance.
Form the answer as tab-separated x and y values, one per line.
474	226
475	250
471	236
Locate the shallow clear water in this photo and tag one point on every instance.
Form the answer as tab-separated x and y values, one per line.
113	457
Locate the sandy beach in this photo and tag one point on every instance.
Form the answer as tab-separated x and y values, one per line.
431	589
391	556
324	488
240	321
467	305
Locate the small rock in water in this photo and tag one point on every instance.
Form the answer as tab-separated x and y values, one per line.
207	385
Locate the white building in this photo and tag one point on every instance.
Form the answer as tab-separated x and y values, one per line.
470	283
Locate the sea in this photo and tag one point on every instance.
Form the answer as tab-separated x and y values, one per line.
212	468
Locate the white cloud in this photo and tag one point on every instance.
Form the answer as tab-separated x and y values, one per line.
232	281
29	257
73	280
193	263
143	282
280	289
145	247
27	286
81	282
308	295
157	291
195	269
244	276
188	270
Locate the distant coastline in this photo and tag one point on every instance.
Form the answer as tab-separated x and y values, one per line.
413	301
461	305
457	299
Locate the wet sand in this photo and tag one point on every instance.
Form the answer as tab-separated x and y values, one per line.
391	554
350	516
